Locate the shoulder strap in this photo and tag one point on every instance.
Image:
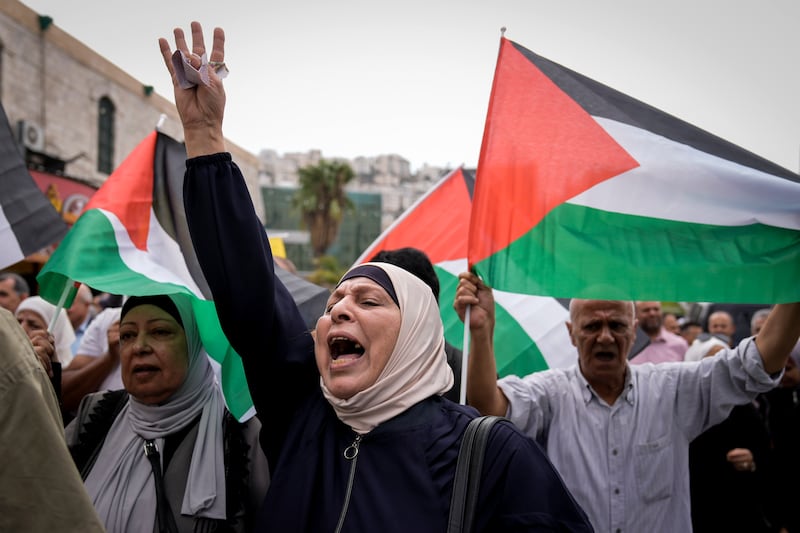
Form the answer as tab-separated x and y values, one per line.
468	474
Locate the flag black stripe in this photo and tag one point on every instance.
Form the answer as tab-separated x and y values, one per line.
602	101
33	219
169	167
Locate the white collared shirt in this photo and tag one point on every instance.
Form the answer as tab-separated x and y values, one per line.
627	464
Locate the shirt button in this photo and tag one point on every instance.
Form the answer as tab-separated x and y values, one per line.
619	530
616	491
614	451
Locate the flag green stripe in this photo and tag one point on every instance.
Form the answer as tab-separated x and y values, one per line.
646	258
94	259
515	352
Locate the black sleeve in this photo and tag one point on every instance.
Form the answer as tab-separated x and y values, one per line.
257	313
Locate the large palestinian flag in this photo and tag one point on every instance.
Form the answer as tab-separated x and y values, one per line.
28	221
530	334
132	239
582	191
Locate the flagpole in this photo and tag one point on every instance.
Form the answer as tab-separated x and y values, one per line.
465	358
465	351
60	305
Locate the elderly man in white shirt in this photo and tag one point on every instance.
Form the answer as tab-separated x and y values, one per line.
619	434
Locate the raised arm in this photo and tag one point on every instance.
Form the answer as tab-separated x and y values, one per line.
482	390
257	313
778	336
201	107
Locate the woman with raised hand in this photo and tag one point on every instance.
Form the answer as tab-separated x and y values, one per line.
164	454
359	437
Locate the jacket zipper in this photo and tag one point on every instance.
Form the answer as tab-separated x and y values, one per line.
351	454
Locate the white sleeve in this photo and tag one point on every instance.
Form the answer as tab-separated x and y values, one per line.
95	341
528	401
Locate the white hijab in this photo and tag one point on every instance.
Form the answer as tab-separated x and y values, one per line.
121	482
62	331
417	367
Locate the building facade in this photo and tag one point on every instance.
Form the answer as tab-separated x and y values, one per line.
76	114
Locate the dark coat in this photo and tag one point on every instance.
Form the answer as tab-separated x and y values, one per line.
403	473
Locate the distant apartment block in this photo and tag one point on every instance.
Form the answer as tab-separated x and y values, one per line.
388	176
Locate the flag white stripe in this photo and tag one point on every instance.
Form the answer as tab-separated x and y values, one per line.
542	318
677	182
10	251
162	262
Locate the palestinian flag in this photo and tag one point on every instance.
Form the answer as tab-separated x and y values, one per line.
530	334
28	221
583	191
132	239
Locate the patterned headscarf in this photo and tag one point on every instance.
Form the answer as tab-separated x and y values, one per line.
417	367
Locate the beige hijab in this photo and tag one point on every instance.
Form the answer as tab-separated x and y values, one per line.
417	367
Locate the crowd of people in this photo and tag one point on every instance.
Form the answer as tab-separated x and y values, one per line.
663	423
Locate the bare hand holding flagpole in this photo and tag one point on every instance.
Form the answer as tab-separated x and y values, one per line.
478	357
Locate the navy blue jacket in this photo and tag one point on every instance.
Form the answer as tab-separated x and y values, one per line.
403	472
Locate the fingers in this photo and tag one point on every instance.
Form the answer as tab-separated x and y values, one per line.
741	459
198	46
218	47
166	53
180	41
740	454
466	291
44	346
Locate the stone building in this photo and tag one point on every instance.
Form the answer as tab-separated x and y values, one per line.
76	114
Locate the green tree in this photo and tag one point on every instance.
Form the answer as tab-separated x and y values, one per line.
322	201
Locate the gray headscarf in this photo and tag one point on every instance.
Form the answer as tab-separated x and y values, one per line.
121	482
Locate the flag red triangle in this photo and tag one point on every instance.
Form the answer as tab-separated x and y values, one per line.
128	191
438	225
540	148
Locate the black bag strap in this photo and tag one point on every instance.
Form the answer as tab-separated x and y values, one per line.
164	518
468	474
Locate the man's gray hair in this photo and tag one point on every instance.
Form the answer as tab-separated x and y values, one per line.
20	285
573	304
758	315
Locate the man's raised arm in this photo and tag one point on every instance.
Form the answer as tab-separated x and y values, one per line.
778	336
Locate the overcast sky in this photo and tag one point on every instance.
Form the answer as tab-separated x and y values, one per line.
353	77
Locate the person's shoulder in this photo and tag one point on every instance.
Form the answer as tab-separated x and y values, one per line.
673	338
105	318
554	376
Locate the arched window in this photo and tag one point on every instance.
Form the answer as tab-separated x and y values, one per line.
105	135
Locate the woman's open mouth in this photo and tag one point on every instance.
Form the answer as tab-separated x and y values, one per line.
344	350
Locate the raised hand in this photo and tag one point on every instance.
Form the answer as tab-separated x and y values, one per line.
44	344
202	106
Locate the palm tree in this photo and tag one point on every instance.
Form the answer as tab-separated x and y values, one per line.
322	201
